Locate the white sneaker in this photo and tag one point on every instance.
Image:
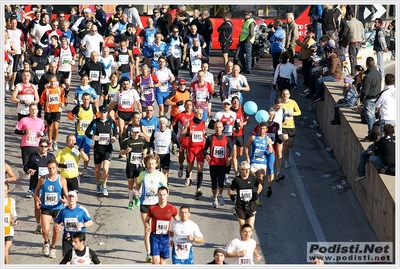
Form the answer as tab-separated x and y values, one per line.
105	191
52	253
287	165
228	181
215	204
46	249
29	194
188	182
85	173
221	200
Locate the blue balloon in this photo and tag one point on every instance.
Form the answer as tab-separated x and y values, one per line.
250	108
262	116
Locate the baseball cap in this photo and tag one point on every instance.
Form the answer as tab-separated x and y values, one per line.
182	81
227	101
130	25
220	250
73	193
86	10
103	109
331	44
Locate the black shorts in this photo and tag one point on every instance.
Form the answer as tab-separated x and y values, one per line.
165	161
20	116
49	212
245	212
52	117
26	151
144	208
65	74
73	184
226	46
9	238
100	156
125	116
289	131
16	58
238	141
133	171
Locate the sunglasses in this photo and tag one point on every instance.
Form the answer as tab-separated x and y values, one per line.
182	84
149	110
54	25
175	31
43	146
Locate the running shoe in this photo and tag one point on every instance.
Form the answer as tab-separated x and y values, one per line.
198	193
46	249
287	164
149	259
55	146
269	192
188	182
105	191
215	204
52	253
130	205
180	172
227	181
85	173
29	194
38	229
137	201
279	176
221	200
99	190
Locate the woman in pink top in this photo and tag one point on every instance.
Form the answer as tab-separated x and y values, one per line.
32	129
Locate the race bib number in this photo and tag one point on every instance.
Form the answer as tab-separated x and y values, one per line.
228	130
7	219
124	59
150	130
162	227
126	103
197	136
201	97
162	143
42	171
50	198
245	195
71	165
94	75
234	92
176	53
136	158
31	138
245	260
164	86
39	73
219	152
83	124
70	224
272	136
54	99
196	65
182	250
104	139
150	40
287	112
157	54
259	154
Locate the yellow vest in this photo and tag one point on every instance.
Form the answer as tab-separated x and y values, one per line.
7	218
65	156
246	30
84	119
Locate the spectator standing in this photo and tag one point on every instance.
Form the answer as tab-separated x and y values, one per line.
386	103
380	45
291	36
205	29
315	15
164	22
370	90
354	33
196	19
308	47
246	40
101	17
133	16
328	22
277	40
225	31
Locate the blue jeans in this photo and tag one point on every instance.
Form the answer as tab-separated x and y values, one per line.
369	110
245	48
319	87
380	62
383	122
377	162
363	161
317	30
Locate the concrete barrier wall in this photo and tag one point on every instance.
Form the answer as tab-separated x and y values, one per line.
376	193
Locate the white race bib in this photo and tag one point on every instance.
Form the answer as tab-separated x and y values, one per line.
71	165
70	224
54	99
104	139
83	124
94	75
162	227
259	154
136	158
50	198
197	136
126	102
245	260
182	250
219	152
7	219
31	138
42	171
245	195
201	97
162	143
124	59
228	130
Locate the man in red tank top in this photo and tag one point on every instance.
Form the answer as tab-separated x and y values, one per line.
195	131
219	158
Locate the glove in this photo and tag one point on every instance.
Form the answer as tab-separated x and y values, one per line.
233	197
62	165
254	196
179	103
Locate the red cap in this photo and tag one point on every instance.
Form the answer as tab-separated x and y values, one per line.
182	81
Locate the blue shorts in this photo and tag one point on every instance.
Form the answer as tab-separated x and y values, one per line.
161	97
179	261
205	115
84	142
159	245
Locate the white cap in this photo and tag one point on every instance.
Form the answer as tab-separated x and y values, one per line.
73	193
136	130
227	101
86	10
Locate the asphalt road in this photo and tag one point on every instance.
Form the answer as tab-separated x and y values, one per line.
284	224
